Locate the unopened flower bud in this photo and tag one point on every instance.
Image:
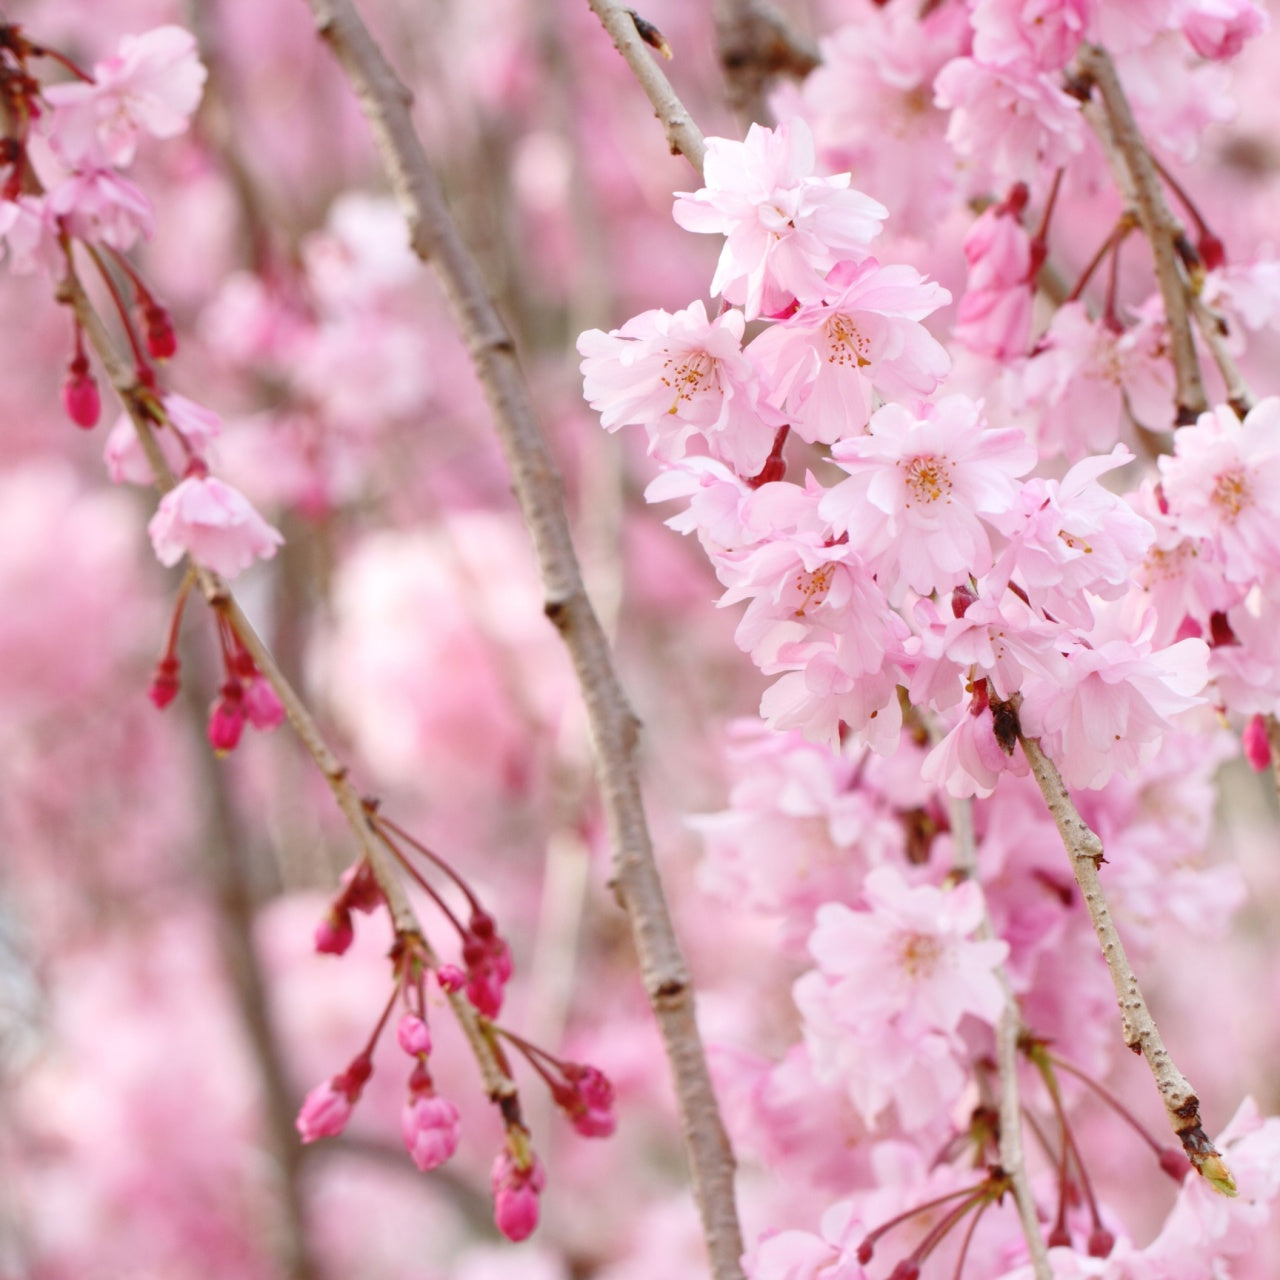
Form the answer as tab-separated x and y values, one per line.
1101	1242
324	1113
413	1035
226	717
431	1129
80	394
327	1107
335	933
262	704
515	1195
158	328
164	682
1257	747
450	978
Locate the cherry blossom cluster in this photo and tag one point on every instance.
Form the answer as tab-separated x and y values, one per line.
947	561
932	567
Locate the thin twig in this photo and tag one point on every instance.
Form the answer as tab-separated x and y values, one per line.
1140	1031
683	136
1139	185
1239	394
1008	1032
539	492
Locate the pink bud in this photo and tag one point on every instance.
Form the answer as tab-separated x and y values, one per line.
1257	747
164	682
360	890
80	394
587	1099
515	1196
324	1113
160	339
413	1035
450	978
334	934
431	1128
1101	1242
262	704
226	717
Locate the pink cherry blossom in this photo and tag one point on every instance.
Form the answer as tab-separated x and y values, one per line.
198	426
909	955
1042	33
829	1254
1219	28
919	489
28	226
1071	536
214	524
681	376
152	85
870	100
1088	381
1112	708
825	364
784	228
1223	484
100	206
1008	120
432	1130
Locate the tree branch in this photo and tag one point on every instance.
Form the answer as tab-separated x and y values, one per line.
683	136
1140	1031
1008	1032
1139	184
538	490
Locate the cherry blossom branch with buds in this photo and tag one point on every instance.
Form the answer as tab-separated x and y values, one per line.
435	238
133	397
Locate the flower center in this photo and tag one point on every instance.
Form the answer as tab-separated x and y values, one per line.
813	586
919	955
845	344
928	479
1231	492
687	374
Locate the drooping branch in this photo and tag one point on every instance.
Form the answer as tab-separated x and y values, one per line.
1008	1031
133	396
1141	1033
1135	175
683	136
539	491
